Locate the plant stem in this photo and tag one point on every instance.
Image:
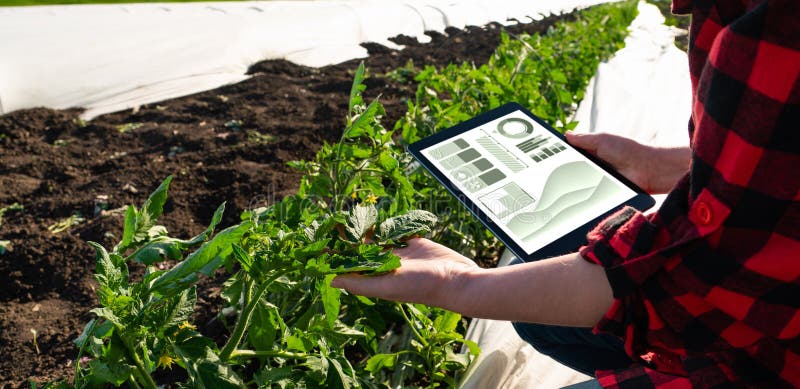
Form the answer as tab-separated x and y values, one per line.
411	325
133	381
268	353
143	374
244	318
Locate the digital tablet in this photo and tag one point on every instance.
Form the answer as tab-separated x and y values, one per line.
519	176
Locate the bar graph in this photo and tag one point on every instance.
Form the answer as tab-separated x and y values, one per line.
548	151
539	149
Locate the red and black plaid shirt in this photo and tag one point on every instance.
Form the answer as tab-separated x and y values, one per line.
707	289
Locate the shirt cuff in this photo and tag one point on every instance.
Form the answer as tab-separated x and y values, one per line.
614	238
626	235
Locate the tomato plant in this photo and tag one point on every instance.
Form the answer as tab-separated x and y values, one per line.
292	328
358	198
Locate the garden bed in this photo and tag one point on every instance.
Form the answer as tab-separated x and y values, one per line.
230	144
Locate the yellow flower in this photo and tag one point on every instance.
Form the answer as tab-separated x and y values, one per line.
186	325
371	199
166	361
353	195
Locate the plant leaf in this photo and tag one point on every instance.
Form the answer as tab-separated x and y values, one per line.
176	309
202	363
360	220
357	88
380	361
184	273
330	299
154	205
130	227
416	222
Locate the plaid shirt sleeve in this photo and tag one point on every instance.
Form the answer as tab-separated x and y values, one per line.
707	289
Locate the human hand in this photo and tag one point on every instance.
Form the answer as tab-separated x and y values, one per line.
430	274
654	169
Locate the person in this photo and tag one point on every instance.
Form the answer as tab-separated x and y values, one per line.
705	291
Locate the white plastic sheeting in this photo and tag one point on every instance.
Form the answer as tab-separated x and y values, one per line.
643	93
112	57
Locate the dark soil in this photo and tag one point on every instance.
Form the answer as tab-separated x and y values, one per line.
229	144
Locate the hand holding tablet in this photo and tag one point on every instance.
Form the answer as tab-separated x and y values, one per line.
520	177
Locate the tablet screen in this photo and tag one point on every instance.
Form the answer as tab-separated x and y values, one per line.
533	185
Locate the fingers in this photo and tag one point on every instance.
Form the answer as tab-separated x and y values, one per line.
358	284
387	286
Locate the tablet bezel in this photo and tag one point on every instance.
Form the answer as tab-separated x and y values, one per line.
569	242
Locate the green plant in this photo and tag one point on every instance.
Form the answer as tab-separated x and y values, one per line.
546	73
127	127
65	224
291	326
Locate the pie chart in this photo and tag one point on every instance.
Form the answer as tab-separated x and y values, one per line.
515	128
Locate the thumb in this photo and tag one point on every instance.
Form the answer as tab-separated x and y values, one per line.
588	142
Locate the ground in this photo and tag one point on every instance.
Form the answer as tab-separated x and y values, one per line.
229	144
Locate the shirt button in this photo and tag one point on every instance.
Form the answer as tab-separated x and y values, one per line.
703	213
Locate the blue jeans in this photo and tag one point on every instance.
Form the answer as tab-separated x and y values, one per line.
577	348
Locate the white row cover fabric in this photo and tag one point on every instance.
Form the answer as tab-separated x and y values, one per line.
111	57
643	93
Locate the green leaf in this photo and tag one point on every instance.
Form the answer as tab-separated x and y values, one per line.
138	225
109	315
318	368
275	374
387	161
202	363
91	339
380	361
361	219
416	222
370	264
296	342
130	227
209	256
162	247
113	373
175	310
345	376
108	273
473	347
215	220
330	299
446	322
363	123
314	249
264	327
154	205
458	358
392	263
558	76
212	375
242	257
158	250
571	125
357	88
